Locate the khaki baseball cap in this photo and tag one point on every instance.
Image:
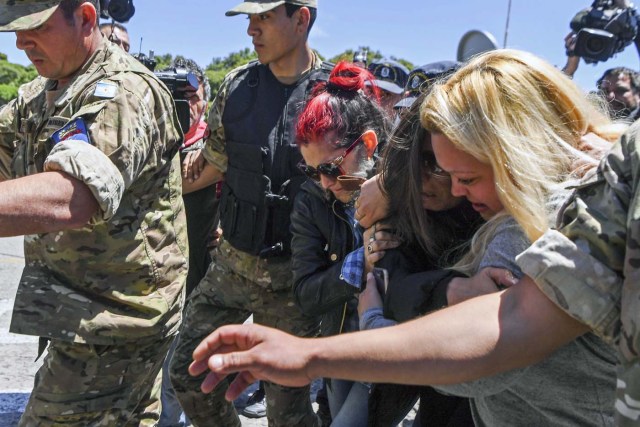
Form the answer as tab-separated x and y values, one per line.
252	7
19	15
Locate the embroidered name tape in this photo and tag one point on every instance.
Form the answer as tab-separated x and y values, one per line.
75	130
56	123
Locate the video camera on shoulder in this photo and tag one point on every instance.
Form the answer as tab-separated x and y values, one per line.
603	30
179	81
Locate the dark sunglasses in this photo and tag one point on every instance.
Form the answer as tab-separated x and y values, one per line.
430	166
331	169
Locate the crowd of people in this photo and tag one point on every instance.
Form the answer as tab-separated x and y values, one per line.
461	235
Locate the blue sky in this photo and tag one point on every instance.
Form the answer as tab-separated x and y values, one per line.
420	31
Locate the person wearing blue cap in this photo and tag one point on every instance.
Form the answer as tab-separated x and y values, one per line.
390	77
421	78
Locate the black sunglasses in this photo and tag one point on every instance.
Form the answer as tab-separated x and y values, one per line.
331	169
430	166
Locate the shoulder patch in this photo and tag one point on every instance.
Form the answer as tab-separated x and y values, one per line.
75	130
105	90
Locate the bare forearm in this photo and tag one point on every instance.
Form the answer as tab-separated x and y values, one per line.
474	339
209	176
45	202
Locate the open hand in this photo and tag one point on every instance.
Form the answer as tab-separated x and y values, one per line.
256	353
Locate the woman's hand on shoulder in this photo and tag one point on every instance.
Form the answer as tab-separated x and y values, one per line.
371	205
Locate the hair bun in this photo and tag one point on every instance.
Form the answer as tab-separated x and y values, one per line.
348	78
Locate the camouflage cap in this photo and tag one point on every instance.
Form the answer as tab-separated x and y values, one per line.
252	7
19	15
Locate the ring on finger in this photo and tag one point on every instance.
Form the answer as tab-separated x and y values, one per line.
370	248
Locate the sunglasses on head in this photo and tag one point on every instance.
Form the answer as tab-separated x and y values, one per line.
430	166
331	169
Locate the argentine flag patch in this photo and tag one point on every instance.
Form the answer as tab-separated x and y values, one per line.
105	90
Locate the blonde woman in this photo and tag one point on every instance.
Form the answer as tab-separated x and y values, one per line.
509	129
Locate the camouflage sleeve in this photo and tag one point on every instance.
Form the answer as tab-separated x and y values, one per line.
215	150
584	266
7	138
102	177
126	129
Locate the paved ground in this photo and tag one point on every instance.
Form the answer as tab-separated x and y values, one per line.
18	352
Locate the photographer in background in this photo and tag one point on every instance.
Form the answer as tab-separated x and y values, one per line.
116	33
620	87
599	32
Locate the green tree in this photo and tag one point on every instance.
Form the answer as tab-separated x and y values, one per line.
163	61
12	76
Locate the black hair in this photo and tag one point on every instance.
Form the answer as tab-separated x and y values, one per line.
634	77
293	8
442	236
114	25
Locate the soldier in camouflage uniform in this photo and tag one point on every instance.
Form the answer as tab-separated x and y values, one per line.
252	142
88	159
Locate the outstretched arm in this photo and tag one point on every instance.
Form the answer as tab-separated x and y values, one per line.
479	337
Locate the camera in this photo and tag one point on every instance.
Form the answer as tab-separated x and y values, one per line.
118	10
178	81
603	30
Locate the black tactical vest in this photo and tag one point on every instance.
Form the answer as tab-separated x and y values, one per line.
262	178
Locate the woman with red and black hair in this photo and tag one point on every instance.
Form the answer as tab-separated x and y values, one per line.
338	133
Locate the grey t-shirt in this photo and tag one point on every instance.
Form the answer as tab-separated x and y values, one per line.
573	387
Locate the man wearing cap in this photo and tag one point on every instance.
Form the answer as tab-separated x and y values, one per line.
390	77
252	145
91	177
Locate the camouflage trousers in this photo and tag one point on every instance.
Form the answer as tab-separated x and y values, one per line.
221	298
98	385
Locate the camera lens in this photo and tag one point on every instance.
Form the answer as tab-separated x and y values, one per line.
595	45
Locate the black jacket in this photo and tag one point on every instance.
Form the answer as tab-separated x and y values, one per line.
322	238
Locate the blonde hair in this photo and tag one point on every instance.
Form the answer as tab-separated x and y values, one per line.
519	114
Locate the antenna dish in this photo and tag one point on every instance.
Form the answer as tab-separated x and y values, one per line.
475	42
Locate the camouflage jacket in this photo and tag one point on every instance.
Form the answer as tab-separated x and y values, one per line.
120	277
269	273
590	266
